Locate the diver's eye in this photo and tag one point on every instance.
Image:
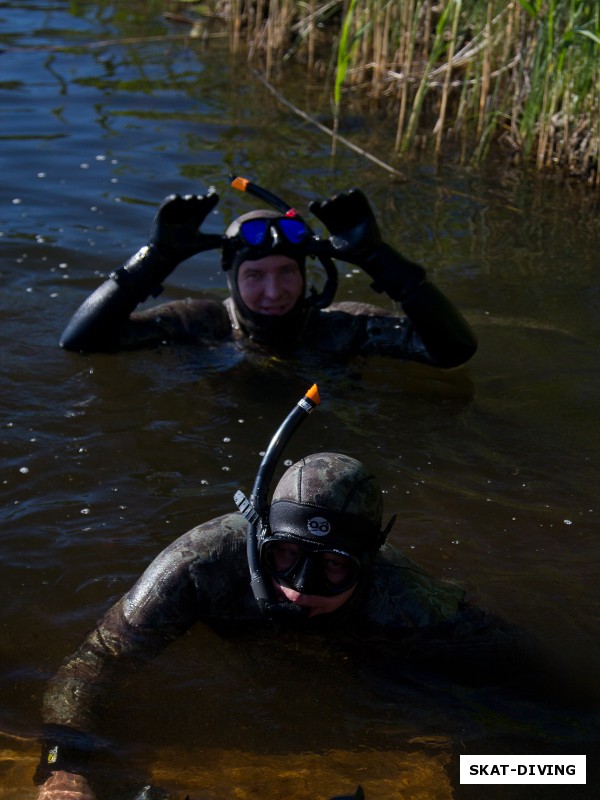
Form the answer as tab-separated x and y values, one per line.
337	568
282	556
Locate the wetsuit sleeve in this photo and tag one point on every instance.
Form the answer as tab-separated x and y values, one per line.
103	322
116	648
425	624
447	337
355	237
441	327
432	330
179	588
106	321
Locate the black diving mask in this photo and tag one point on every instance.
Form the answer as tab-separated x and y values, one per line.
308	569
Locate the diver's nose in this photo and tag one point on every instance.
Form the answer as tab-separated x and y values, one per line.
273	286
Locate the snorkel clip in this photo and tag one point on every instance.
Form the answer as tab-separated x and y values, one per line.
245	507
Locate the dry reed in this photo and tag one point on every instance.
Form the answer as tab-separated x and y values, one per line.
460	76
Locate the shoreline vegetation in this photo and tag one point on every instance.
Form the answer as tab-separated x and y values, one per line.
454	79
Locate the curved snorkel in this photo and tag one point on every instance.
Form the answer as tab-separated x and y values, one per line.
256	509
315	247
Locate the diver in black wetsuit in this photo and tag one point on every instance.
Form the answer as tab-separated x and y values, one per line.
264	255
314	558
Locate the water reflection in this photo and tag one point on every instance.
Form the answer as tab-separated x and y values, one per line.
106	459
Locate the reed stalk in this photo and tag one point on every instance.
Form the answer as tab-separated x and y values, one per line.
458	75
439	126
346	46
437	48
406	54
311	37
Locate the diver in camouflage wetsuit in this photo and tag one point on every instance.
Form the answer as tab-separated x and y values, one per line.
322	564
264	255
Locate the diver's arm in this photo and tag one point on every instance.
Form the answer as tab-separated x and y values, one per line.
103	319
161	606
442	329
84	684
190	580
68	746
355	237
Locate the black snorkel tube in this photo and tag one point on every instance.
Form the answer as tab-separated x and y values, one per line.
315	246
256	509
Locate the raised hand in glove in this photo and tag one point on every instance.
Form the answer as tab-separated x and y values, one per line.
355	238
350	221
176	228
175	236
65	786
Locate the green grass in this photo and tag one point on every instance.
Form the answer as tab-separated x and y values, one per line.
462	78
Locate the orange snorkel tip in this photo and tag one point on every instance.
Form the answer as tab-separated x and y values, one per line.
313	394
240	183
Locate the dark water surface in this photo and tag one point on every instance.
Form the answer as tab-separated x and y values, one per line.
493	469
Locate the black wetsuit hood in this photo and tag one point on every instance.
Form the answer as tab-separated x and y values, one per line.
276	331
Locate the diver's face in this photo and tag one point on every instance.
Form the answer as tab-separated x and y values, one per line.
313	602
336	570
270	285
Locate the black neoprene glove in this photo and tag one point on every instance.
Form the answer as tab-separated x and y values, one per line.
355	237
176	228
174	237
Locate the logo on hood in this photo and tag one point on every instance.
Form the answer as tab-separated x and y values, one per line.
318	526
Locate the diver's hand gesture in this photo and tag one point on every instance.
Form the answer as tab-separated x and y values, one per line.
176	228
354	234
65	786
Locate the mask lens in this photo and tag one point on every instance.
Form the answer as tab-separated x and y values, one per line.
314	572
254	231
294	230
340	572
282	558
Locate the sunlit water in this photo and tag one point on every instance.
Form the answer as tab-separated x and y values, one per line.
493	469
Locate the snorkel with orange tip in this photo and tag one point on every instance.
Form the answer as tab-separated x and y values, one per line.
256	509
314	246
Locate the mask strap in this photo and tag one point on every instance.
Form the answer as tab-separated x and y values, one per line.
387	529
